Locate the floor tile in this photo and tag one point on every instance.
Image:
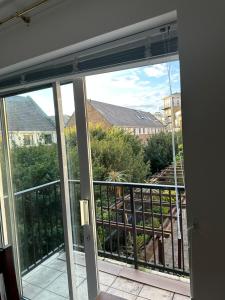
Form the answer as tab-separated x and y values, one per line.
43	276
106	278
103	287
153	293
128	286
30	291
80	271
82	291
79	280
31	273
46	295
57	264
24	283
51	258
121	294
180	297
60	286
79	258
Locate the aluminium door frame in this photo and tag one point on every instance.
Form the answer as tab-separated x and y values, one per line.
64	184
9	206
86	186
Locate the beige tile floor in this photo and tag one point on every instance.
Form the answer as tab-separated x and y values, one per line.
49	282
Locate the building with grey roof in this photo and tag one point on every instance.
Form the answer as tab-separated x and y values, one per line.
27	123
134	121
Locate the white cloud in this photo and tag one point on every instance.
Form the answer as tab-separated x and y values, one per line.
156	70
128	88
139	88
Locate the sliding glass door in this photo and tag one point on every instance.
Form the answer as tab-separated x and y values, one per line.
46	148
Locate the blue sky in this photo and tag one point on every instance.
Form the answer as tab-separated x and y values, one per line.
140	88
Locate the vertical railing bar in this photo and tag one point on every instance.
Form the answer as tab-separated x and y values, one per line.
153	229
181	228
32	229
51	225
45	220
134	228
117	227
56	213
109	216
124	220
162	229
95	204
143	218
38	220
24	229
103	227
171	222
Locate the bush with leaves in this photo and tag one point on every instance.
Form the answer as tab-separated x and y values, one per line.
33	166
159	152
114	153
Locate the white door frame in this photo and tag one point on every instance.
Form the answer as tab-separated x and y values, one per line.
86	186
64	184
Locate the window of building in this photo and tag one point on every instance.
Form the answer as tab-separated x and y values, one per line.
28	139
47	139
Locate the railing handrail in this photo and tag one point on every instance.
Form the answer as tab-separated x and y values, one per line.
133	184
36	188
109	183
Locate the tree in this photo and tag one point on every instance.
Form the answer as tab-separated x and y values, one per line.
158	151
35	165
113	152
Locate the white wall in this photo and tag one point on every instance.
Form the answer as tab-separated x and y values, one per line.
202	55
202	50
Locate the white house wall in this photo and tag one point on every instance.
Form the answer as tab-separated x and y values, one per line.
17	137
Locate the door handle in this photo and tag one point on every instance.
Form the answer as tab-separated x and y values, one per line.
84	212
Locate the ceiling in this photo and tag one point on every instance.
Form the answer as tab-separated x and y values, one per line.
10	7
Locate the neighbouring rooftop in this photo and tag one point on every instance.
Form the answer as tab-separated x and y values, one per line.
24	114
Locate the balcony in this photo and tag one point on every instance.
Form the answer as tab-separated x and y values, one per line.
141	231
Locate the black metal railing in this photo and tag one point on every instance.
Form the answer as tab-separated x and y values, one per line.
136	224
39	224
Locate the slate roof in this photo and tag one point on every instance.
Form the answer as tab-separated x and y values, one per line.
24	114
65	117
126	117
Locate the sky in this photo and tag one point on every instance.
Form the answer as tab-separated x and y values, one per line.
139	88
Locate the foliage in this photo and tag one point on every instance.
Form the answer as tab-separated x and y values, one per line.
114	154
159	151
113	150
141	240
116	176
33	166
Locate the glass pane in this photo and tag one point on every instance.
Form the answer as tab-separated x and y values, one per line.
74	185
3	193
35	175
134	118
